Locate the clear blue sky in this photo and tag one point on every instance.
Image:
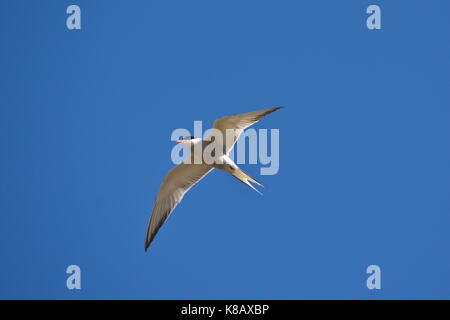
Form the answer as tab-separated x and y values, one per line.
85	125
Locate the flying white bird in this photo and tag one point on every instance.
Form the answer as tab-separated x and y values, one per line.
181	178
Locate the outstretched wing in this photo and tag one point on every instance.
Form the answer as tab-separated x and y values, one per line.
238	123
176	183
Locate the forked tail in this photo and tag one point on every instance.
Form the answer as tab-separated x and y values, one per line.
245	178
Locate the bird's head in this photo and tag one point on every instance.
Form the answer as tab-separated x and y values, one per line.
188	141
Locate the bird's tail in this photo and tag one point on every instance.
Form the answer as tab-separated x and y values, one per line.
245	178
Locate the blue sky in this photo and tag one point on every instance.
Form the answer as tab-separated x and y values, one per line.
85	124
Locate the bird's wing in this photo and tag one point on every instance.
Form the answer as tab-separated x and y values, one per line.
238	123
176	183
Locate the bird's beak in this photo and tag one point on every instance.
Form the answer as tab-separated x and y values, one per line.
180	141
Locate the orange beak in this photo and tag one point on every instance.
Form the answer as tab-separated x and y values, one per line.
180	141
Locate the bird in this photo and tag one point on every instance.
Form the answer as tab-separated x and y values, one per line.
185	175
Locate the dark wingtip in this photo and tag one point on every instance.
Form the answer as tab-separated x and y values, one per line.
274	109
268	111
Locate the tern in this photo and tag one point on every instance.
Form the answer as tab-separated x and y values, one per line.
181	178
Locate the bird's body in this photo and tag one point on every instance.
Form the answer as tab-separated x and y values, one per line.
182	177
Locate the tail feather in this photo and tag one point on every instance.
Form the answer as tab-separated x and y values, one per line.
245	178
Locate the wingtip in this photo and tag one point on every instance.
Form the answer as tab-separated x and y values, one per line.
274	109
